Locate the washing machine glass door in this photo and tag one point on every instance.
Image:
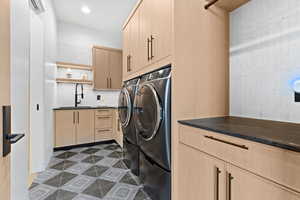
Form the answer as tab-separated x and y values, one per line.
125	107
148	112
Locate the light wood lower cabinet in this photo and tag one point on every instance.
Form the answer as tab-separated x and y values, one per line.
209	173
85	126
74	127
103	125
118	134
65	128
201	176
247	186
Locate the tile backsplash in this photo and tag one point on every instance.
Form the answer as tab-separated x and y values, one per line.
65	96
264	58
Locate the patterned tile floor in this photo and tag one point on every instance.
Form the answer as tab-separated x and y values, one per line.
89	173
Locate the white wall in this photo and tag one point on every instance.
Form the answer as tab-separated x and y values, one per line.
264	59
75	42
20	27
75	46
50	52
37	126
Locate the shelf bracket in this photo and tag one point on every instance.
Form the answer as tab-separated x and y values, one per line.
210	4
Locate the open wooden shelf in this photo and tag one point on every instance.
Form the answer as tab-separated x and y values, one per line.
74	66
69	80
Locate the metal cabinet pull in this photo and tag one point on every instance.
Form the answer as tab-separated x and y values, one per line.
107	83
78	117
151	41
127	63
217	174
229	185
73	117
118	125
110	83
227	142
103	130
148	46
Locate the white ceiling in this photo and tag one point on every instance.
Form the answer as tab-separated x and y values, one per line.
106	15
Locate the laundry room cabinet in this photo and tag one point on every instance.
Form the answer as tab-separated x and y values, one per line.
147	36
107	66
73	127
202	175
131	58
215	170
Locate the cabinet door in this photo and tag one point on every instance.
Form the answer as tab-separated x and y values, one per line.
126	50
200	176
134	60
65	128
85	126
115	67
145	32
101	68
161	29
242	185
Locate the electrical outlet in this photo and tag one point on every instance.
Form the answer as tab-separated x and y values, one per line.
98	97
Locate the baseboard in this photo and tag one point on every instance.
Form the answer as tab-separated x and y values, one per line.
83	145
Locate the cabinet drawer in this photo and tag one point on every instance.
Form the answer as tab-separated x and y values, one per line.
279	165
103	134
103	112
103	122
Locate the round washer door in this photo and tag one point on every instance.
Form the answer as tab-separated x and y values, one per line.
125	107
148	112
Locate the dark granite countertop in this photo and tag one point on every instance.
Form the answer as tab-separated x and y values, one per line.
85	107
279	134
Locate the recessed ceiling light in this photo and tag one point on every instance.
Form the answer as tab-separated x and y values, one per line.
85	10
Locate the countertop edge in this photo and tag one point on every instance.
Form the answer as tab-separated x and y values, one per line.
87	108
246	137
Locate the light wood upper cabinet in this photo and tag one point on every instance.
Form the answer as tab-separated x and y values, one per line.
107	64
147	35
85	126
161	29
131	51
126	50
145	32
115	59
65	128
101	68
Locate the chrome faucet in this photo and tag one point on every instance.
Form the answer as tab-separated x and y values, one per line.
78	101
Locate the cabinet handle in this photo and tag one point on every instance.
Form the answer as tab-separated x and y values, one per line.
110	83
148	46
73	117
78	117
107	84
129	61
217	174
151	41
227	142
229	185
118	125
127	64
103	130
103	117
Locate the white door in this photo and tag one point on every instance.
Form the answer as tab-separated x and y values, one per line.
5	92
